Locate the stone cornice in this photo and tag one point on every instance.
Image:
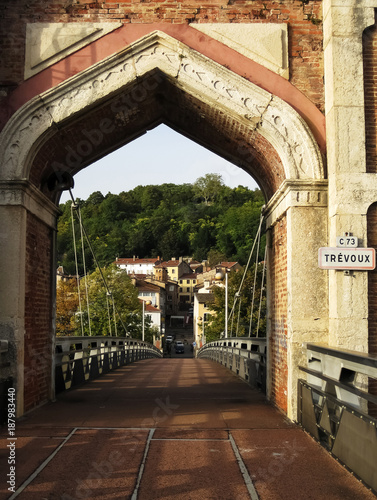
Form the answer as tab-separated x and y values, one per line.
23	193
296	193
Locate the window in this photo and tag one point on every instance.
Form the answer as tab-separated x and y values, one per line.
193	282
181	281
187	289
170	297
173	271
180	289
171	288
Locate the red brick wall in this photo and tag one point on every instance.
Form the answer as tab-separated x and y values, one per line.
372	298
38	313
370	79
303	19
278	334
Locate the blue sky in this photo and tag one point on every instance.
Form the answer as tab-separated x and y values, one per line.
159	156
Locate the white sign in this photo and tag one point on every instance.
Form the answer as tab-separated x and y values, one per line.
347	241
358	259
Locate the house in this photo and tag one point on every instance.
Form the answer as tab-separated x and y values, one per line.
153	293
228	266
187	283
202	313
160	273
171	295
62	277
135	265
154	314
175	268
196	267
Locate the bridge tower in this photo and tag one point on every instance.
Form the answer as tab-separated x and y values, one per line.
283	90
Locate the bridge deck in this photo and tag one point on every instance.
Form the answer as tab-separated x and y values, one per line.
170	429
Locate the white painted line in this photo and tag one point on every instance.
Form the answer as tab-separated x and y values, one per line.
31	478
113	428
249	483
197	440
141	470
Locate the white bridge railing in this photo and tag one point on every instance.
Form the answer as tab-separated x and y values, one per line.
243	355
79	359
337	405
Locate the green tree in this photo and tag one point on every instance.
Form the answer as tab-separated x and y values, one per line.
101	312
208	187
67	301
237	229
239	322
162	220
215	256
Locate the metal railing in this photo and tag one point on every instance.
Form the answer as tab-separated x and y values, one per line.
79	359
335	407
244	356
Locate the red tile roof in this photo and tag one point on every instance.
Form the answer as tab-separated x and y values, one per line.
227	264
131	260
171	263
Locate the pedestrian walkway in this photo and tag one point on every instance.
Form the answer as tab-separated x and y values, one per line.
169	429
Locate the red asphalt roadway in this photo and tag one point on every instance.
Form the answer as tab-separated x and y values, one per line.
169	429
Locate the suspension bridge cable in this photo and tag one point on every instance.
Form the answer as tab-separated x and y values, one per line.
85	277
261	289
97	264
77	271
238	293
108	312
239	315
254	283
115	321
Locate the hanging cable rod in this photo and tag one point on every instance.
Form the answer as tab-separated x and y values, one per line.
96	261
238	293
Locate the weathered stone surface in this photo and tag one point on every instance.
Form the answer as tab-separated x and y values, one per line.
266	44
47	43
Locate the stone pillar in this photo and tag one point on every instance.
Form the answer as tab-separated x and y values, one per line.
303	205
19	200
351	190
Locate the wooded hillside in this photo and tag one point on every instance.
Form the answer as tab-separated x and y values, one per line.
168	221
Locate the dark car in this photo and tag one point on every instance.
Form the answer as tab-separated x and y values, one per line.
179	347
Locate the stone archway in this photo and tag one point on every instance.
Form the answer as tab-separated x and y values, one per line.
159	79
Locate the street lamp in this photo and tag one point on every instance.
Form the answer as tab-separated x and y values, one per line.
148	303
202	334
220	276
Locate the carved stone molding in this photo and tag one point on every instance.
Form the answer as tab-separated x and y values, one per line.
24	194
192	72
296	194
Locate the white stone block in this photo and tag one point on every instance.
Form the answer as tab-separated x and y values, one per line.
48	43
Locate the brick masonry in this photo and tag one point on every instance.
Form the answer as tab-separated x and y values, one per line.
303	18
278	314
38	313
372	289
370	80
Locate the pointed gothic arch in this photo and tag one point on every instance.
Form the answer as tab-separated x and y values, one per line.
158	79
161	58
